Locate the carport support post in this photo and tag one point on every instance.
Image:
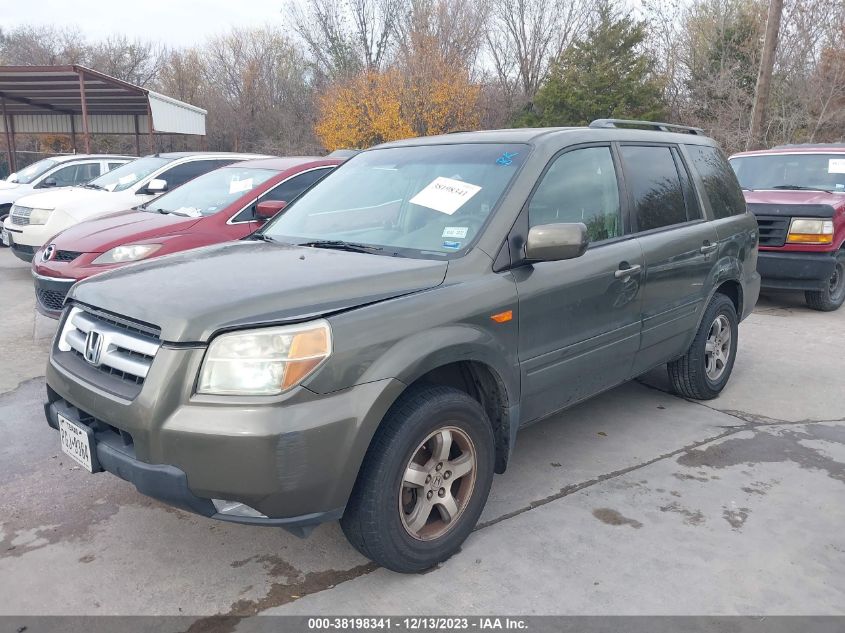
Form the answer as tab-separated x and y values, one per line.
150	121
10	141
85	134
137	137
73	132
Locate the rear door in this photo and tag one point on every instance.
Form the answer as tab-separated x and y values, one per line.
679	245
579	319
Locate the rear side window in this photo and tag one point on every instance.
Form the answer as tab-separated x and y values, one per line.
652	179
580	186
114	165
720	183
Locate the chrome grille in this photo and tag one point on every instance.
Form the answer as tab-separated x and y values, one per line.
109	345
20	215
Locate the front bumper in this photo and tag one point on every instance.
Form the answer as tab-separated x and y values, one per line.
294	458
50	294
795	270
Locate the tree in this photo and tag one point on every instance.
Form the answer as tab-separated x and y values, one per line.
605	74
375	107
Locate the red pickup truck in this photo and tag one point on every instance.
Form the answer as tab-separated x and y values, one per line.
225	204
797	193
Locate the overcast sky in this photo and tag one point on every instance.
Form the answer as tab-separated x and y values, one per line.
175	22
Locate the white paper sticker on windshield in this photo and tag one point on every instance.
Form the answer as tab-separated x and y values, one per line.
127	179
237	186
189	211
455	231
836	166
445	195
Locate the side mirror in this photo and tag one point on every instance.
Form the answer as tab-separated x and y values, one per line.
13	177
269	208
156	185
554	242
49	182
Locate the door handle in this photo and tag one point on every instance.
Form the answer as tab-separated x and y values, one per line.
708	248
627	272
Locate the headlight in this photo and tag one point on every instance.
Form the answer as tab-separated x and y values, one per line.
38	216
129	253
810	231
266	361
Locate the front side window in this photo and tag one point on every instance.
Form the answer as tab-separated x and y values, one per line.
425	201
180	174
652	179
286	191
28	174
816	172
720	183
127	175
580	186
211	192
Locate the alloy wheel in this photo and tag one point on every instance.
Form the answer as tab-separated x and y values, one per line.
717	349
437	483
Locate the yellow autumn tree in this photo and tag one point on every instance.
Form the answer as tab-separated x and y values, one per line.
424	97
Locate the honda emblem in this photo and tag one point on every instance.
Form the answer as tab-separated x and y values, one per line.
93	347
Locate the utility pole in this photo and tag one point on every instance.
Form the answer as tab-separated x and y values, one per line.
764	76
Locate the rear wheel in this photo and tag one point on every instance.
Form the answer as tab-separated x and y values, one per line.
833	295
424	480
704	370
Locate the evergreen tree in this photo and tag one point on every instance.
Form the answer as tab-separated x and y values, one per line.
606	74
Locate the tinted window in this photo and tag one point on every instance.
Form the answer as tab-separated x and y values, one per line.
655	187
292	187
720	183
580	186
114	165
180	174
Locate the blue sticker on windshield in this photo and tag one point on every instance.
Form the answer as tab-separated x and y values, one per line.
452	245
506	158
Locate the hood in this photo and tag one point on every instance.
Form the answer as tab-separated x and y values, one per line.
5	184
794	203
101	234
11	193
192	294
78	202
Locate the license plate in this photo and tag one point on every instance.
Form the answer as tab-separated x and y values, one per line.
76	443
4	235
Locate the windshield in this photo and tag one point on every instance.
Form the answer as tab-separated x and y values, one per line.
127	175
211	192
28	174
824	172
424	201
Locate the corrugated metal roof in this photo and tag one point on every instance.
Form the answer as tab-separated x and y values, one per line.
45	99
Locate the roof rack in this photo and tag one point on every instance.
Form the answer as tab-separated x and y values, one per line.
654	125
788	145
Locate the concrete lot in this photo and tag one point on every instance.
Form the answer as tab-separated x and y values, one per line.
638	502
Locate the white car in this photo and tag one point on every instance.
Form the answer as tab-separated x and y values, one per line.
34	219
56	171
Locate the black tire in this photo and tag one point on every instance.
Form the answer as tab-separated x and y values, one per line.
688	374
4	213
832	297
373	521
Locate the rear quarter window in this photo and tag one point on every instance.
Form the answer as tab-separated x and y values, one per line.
720	183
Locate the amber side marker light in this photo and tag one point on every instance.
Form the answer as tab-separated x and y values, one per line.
810	231
503	317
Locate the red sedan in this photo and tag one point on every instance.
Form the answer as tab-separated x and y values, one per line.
219	206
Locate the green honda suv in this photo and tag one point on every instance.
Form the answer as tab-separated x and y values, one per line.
370	354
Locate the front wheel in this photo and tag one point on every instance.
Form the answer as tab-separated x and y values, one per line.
833	295
704	370
424	480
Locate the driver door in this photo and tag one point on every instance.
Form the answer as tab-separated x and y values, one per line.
579	319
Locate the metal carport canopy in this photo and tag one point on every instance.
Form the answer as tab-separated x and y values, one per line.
75	99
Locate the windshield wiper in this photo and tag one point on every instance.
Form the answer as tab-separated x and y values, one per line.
260	236
91	185
801	188
340	245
